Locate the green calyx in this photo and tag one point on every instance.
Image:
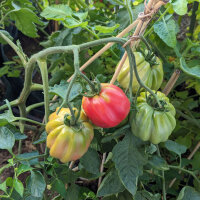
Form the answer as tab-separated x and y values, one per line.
154	104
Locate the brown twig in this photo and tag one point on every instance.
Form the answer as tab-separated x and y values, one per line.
101	168
170	84
56	26
106	47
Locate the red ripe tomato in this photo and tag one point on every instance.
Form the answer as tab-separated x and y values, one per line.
108	108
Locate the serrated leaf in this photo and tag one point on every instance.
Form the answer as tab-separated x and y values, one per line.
110	185
188	193
129	161
25	20
193	71
61	90
36	184
106	29
57	12
91	161
17	184
7	139
180	6
166	31
175	147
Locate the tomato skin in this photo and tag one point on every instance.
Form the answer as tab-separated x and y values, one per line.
66	143
150	124
107	109
152	76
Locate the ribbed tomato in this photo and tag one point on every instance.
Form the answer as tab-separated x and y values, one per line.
65	142
108	108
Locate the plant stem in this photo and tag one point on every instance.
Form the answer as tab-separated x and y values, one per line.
141	82
36	87
29	120
44	72
163	176
12	104
129	9
90	31
15	48
185	170
161	16
193	18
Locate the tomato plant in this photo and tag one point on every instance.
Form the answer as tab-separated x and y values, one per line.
108	108
150	74
54	57
150	122
68	143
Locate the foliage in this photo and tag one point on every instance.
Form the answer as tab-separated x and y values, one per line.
68	31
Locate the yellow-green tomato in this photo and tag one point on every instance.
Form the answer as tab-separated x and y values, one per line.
151	123
67	143
151	75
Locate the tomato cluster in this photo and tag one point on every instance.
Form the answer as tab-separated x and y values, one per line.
110	107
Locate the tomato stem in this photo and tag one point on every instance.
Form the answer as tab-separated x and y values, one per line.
140	81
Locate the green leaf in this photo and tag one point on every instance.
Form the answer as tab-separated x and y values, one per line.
59	187
3	186
180	6
193	71
57	12
2	41
175	147
36	184
73	23
81	15
7	139
158	163
42	138
111	184
4	70
106	29
18	135
25	20
91	161
6	117
17	184
125	195
29	158
129	161
188	193
23	168
119	132
196	161
144	195
61	90
73	192
166	31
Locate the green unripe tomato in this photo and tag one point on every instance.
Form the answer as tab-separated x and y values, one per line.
150	123
151	75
